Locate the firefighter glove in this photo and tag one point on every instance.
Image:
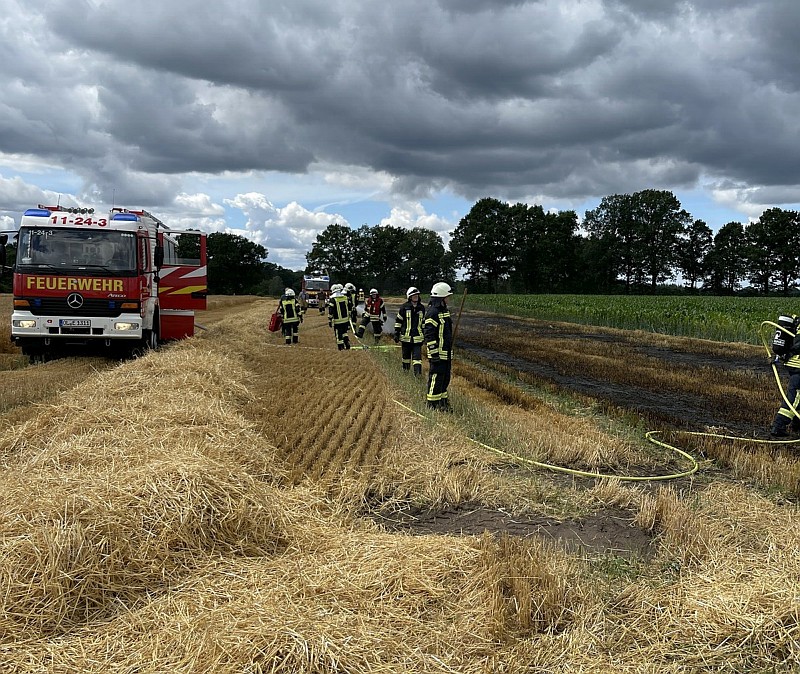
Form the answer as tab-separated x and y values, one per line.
396	338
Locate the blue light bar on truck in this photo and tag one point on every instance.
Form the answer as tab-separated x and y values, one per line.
130	217
38	212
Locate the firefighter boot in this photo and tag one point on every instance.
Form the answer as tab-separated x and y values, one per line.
295	339
417	370
444	406
346	342
377	337
432	404
779	427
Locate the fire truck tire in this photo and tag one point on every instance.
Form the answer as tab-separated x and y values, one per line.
150	337
150	340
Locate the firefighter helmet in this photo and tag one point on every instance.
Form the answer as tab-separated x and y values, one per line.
373	291
288	292
349	287
336	287
441	289
411	291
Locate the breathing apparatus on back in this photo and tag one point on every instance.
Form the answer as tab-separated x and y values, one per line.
783	338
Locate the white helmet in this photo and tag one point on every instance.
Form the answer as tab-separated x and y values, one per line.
350	287
373	291
441	289
411	291
336	287
288	292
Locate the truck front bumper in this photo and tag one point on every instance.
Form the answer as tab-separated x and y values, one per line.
26	326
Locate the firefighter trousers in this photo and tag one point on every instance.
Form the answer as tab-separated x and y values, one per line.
785	416
438	381
377	327
412	355
291	332
342	338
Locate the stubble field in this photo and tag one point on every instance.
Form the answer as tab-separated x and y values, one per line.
231	504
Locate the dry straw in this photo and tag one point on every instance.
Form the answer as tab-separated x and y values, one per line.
186	512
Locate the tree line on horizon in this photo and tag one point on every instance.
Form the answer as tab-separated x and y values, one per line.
643	243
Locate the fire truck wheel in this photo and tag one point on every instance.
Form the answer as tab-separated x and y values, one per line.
151	340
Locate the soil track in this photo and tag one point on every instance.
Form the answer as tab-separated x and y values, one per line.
608	532
561	363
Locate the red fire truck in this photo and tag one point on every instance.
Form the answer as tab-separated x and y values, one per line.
316	287
117	283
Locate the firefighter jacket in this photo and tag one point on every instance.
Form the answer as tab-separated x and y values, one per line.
289	308
408	322
375	308
351	300
793	357
338	309
438	330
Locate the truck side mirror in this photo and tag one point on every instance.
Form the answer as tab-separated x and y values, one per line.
158	257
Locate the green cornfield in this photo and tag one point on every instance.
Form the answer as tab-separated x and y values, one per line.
726	319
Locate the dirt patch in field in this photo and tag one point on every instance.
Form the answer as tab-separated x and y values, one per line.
607	532
672	408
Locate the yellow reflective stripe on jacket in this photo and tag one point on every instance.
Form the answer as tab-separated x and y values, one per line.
794	361
290	311
340	310
437	346
404	322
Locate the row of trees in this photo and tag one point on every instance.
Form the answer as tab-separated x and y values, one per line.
643	242
384	257
238	266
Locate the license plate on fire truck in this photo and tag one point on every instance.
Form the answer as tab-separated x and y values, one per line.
75	323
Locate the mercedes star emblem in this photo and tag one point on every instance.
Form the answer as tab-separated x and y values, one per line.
74	301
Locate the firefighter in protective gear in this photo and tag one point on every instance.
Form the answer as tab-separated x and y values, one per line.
339	316
289	309
408	331
438	331
374	313
785	420
350	289
360	295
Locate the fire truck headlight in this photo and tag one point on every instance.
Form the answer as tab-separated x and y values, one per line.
24	323
126	326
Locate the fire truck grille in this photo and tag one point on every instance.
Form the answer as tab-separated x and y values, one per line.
57	306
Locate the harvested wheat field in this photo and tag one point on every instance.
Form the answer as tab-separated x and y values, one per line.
232	504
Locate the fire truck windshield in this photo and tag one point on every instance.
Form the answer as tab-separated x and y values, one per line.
316	285
76	251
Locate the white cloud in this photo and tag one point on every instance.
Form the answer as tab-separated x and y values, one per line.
410	215
287	233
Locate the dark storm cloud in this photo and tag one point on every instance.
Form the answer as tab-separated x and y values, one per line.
569	98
